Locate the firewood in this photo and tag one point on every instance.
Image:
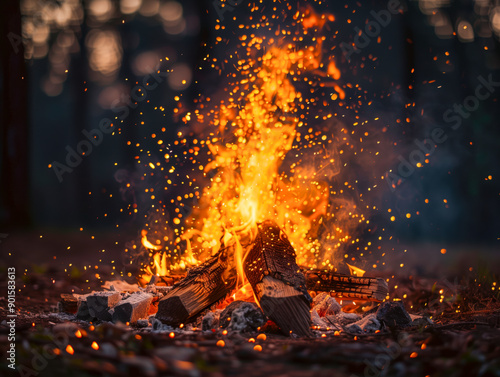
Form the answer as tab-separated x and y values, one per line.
203	286
99	304
338	285
345	286
68	303
277	282
133	308
170	280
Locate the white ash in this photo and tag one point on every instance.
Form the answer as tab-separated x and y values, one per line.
242	316
211	320
326	305
317	321
368	324
342	319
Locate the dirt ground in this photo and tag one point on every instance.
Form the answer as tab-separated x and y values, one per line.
463	340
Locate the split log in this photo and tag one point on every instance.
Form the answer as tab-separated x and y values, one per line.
345	286
277	282
203	286
68	304
133	308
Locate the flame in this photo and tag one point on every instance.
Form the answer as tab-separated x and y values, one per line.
254	164
148	244
248	187
355	270
160	265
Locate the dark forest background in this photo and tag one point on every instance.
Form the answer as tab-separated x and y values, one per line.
64	63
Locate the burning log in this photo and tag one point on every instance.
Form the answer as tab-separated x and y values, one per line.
201	288
277	282
345	286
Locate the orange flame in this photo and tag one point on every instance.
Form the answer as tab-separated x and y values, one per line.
355	270
148	244
253	129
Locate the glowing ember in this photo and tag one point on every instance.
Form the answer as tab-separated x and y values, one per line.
148	244
355	270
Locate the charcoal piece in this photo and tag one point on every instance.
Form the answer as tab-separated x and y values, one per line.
135	307
83	309
242	316
393	314
99	304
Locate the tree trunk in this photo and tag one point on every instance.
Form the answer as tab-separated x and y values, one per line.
14	173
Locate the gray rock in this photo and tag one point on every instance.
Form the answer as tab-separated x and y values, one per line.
210	320
142	323
393	314
158	325
242	316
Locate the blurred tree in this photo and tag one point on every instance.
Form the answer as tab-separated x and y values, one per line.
14	173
